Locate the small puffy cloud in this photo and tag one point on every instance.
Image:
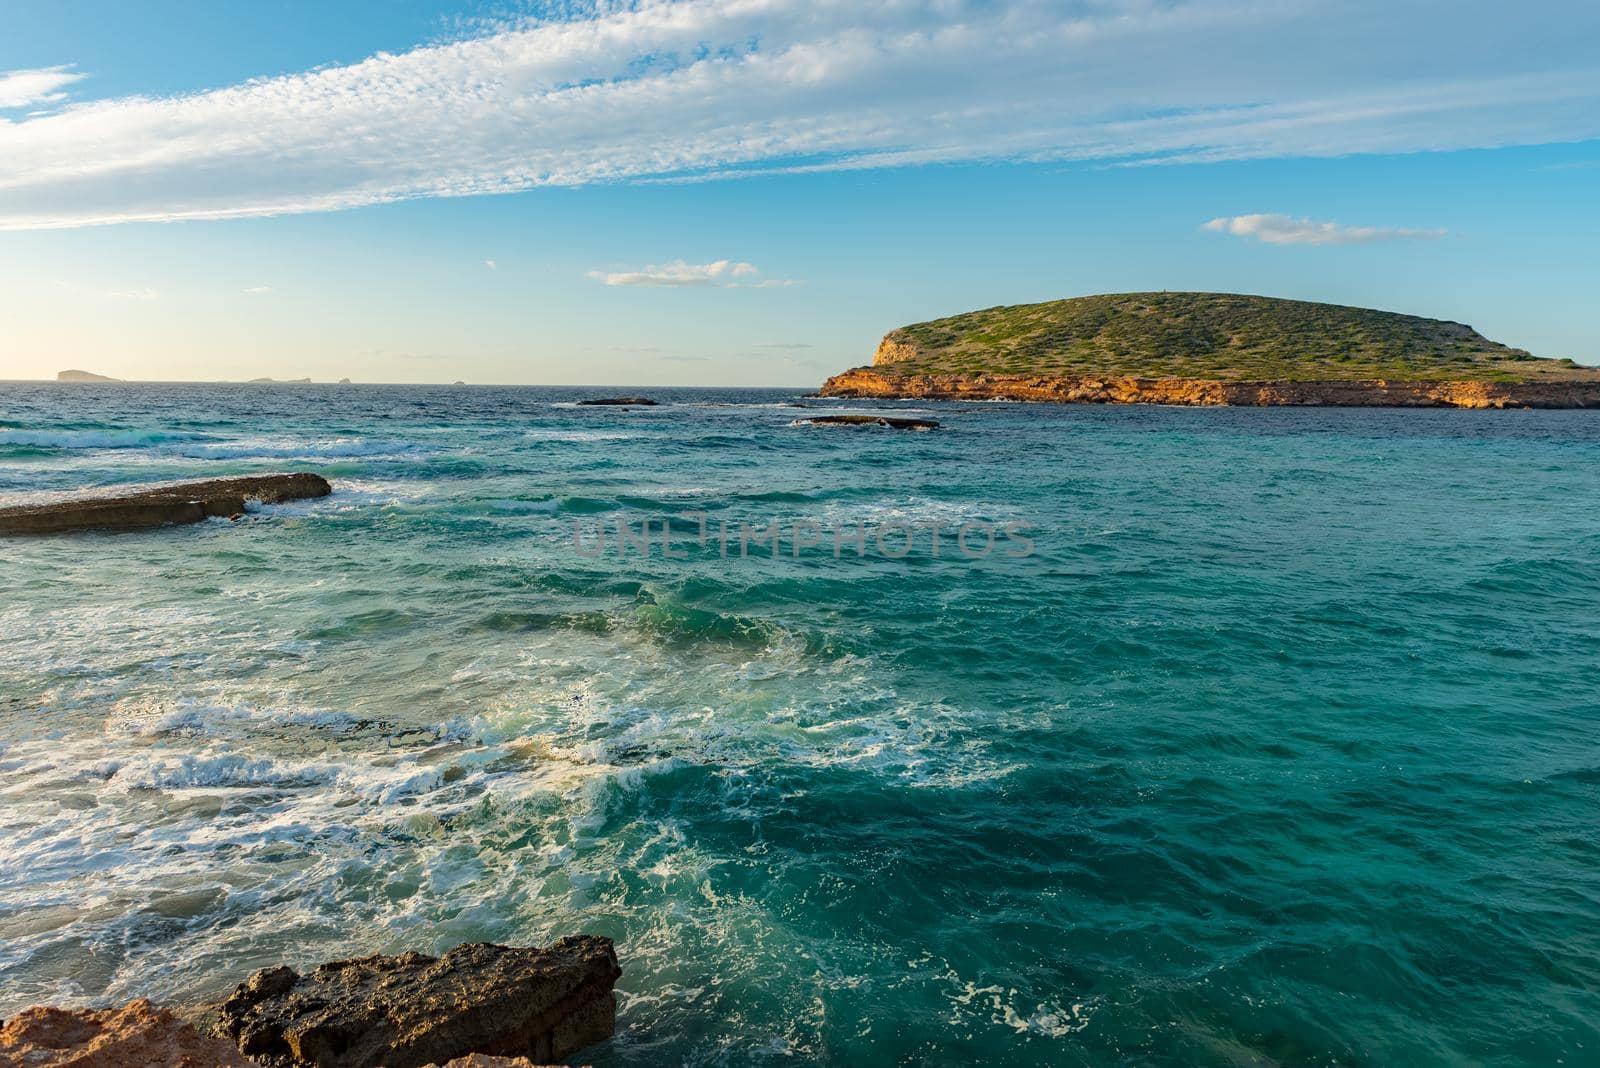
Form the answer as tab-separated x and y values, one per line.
1286	230
493	266
258	291
725	274
27	88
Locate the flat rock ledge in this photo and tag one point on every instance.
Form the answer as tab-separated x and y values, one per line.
891	421
180	502
138	1033
627	402
413	1010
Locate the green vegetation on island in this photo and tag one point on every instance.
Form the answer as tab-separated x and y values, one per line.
1209	336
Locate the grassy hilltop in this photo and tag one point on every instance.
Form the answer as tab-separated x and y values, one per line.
1210	336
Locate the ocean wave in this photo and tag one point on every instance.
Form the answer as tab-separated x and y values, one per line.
520	507
348	495
321	449
675	622
92	439
225	770
547	434
190	716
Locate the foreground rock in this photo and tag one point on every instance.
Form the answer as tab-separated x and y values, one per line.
1093	389
182	502
413	1010
136	1034
630	402
894	422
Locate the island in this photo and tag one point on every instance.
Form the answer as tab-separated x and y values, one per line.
278	382
83	376
1211	349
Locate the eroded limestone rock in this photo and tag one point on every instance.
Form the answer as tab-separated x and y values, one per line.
413	1010
138	1033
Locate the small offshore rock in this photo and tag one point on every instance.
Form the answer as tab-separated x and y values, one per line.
632	402
413	1010
894	422
138	1033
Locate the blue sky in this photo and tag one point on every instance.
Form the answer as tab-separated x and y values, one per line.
753	191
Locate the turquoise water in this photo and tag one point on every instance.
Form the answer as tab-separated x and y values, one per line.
1281	747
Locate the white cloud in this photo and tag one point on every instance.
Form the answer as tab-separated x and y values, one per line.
133	294
493	266
260	290
725	274
654	90
29	88
1286	230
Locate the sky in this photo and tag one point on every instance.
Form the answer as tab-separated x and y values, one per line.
751	192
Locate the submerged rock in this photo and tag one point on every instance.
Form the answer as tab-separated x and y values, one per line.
895	422
181	502
631	402
138	1033
414	1010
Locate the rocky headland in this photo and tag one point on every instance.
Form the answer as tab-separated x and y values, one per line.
1211	349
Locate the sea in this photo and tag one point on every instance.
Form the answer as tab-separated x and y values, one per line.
1202	736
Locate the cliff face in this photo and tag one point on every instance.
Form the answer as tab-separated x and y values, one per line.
896	347
1092	389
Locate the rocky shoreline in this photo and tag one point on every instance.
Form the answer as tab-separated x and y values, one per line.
871	382
478	1006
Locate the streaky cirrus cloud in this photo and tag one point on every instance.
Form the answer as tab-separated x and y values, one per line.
30	88
725	274
655	90
1287	230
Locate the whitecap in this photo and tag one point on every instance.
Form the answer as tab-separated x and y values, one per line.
91	439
